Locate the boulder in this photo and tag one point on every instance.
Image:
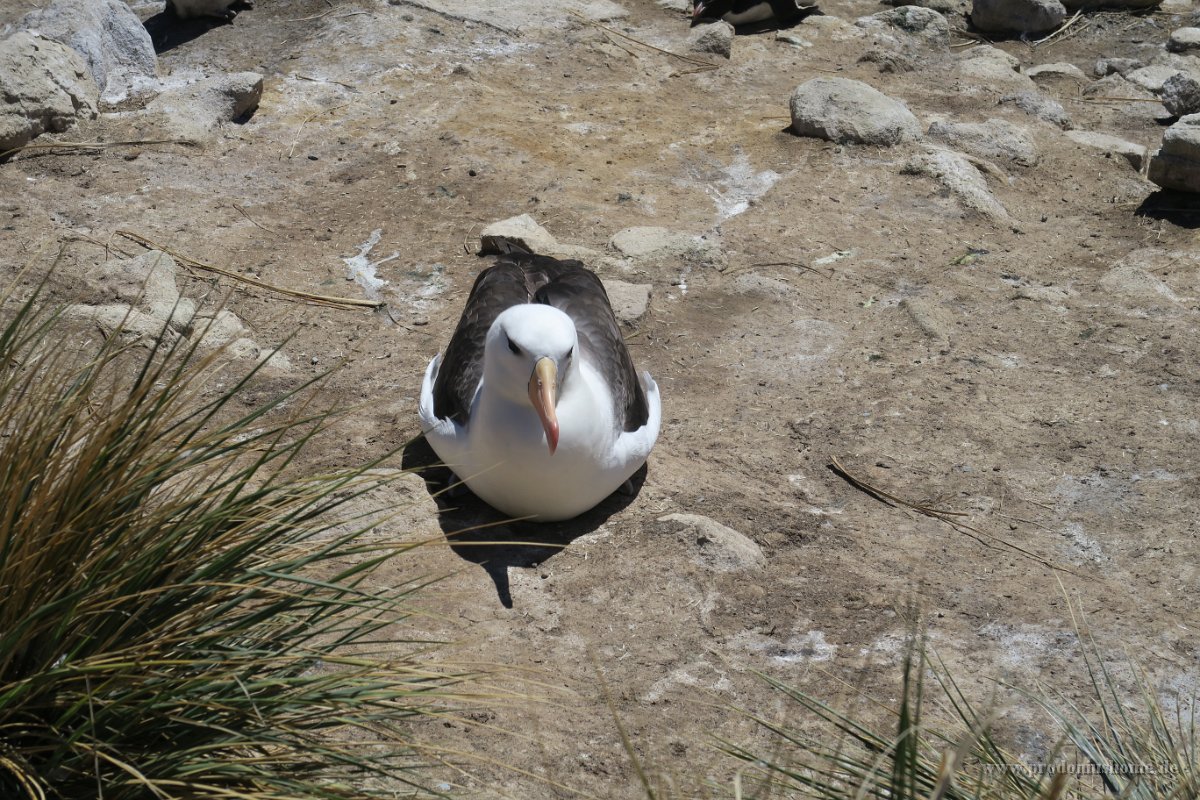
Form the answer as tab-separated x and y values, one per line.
1177	163
1135	154
1184	40
44	87
196	112
112	40
1017	16
1181	94
848	111
715	38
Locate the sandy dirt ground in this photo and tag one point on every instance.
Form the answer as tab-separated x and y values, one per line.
1037	373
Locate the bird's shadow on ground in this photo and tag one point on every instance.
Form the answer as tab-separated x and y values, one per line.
478	533
168	31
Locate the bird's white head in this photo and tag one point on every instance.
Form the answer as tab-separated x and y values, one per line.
529	353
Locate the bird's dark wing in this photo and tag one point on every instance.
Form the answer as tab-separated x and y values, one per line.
518	278
497	287
578	293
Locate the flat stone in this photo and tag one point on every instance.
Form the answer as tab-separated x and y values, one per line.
714	545
848	111
1135	154
1044	73
915	23
1184	40
992	139
1039	105
1131	282
523	230
1017	16
122	320
1177	163
45	87
1153	77
197	112
990	69
715	38
958	175
654	242
629	300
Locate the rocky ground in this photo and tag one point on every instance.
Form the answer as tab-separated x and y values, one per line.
971	297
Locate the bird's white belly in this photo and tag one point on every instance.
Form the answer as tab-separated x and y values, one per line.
507	463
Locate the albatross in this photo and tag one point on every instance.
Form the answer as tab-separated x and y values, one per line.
535	404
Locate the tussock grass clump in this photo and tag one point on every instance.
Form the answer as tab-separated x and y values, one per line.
177	617
1120	745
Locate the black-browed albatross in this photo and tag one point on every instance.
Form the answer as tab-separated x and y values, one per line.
536	405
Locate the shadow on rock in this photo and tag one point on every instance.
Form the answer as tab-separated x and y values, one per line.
478	533
1178	208
168	31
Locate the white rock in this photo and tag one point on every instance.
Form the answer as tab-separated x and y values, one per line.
112	40
44	87
1135	154
953	171
1177	164
940	6
993	139
196	112
847	111
714	37
522	230
1017	16
1184	40
714	545
629	300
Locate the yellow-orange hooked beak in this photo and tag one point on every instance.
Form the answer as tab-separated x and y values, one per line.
543	393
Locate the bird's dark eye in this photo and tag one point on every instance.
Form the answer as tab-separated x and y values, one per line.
516	351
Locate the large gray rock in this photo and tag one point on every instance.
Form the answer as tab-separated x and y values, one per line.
1177	164
1183	40
112	40
1152	77
993	139
195	113
903	38
44	87
1017	16
917	24
847	111
1181	94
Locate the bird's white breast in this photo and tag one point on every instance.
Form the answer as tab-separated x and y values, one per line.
506	462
